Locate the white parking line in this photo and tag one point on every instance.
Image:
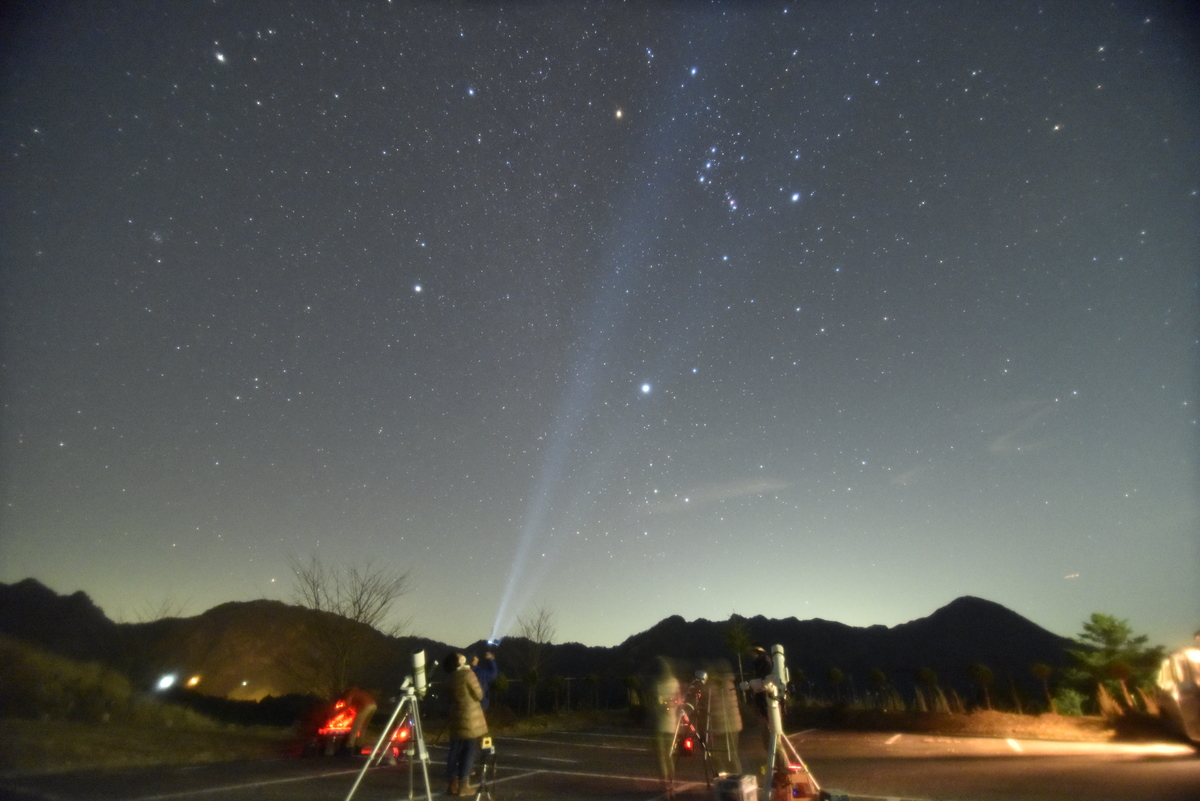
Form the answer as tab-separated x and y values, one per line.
244	785
515	776
892	739
608	735
572	745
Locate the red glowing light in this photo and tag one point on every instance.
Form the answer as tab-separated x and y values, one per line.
341	721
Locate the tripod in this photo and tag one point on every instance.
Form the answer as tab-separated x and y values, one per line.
687	737
487	770
413	718
787	775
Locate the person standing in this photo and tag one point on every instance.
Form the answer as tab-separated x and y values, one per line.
486	670
467	724
723	719
666	697
363	704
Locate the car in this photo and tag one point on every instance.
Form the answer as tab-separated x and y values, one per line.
1178	691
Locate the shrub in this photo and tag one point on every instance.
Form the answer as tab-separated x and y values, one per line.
1068	701
36	684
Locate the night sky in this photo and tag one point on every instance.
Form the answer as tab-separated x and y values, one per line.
836	310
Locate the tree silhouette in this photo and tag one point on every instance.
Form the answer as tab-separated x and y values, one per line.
837	677
1042	672
531	682
556	684
593	684
928	679
535	631
982	675
632	685
1110	653
500	686
350	600
879	681
737	639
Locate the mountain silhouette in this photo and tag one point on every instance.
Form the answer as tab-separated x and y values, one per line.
250	649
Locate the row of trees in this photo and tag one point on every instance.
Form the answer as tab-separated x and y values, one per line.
1111	670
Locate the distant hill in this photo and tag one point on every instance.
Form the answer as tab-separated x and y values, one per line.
965	631
250	649
68	625
242	650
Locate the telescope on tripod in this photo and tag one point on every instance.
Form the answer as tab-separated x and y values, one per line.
411	692
787	776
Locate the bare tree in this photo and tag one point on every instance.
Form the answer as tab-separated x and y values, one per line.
351	601
537	630
166	608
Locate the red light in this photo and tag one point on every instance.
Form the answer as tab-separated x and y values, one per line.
688	745
341	721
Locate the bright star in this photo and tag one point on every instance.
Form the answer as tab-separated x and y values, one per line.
645	389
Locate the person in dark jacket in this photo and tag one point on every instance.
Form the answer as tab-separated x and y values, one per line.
466	723
486	670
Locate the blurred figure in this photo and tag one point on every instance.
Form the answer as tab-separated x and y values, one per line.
665	698
723	719
363	704
466	723
486	671
760	668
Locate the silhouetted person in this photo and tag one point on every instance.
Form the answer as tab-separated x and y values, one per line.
665	698
363	704
486	670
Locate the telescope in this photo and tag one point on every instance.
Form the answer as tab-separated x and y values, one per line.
411	690
418	661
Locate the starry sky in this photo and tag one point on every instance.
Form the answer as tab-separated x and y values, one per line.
836	310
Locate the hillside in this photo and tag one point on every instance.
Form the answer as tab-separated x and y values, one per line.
251	649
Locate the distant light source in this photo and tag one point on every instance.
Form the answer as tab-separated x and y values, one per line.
645	389
193	681
166	682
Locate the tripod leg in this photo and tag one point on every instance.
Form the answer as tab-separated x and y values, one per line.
378	746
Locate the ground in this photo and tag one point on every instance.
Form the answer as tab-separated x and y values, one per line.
45	746
981	723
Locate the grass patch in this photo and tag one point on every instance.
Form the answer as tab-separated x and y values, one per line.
57	714
54	746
